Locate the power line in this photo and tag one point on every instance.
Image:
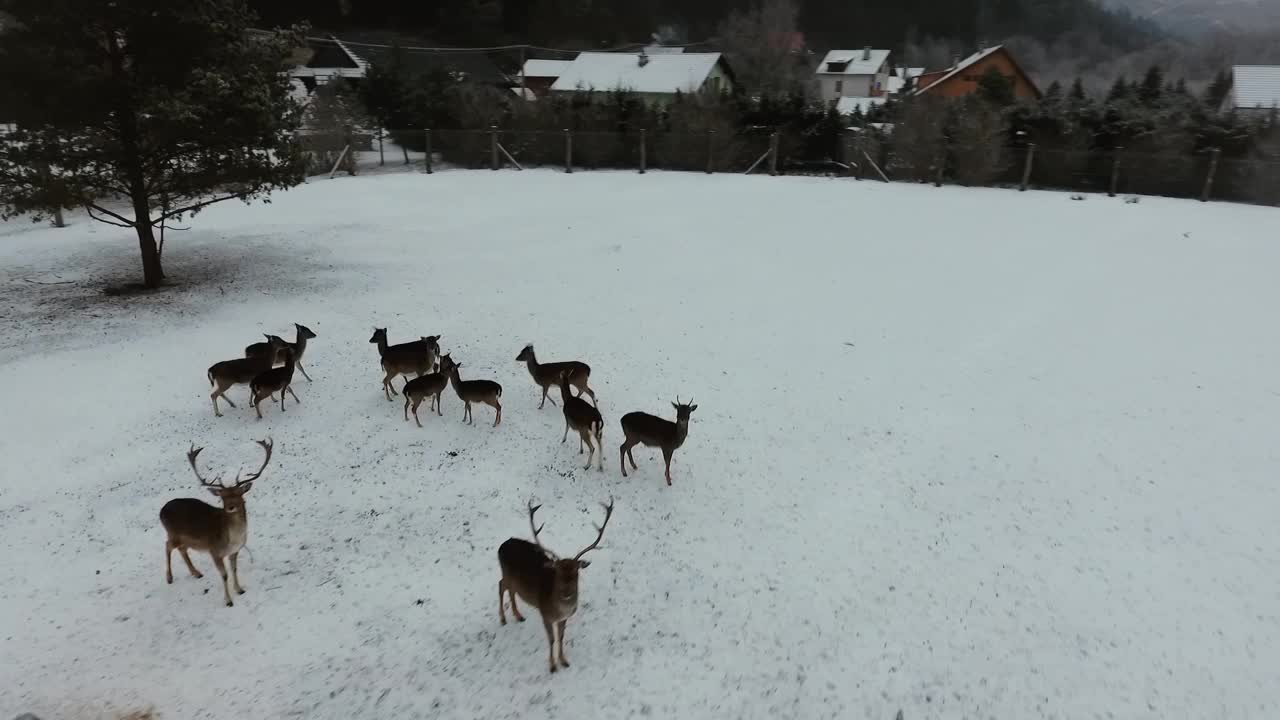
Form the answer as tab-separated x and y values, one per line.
494	48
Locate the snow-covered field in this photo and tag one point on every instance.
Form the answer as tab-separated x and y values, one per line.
960	453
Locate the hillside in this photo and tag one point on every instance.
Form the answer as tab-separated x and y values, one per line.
1195	16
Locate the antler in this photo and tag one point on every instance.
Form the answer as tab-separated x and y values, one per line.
267	445
536	528
608	513
192	454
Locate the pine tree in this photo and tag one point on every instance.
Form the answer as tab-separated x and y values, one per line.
1077	91
171	105
1152	87
1119	90
996	89
1054	92
1218	90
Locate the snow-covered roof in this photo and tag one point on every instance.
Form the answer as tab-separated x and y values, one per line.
685	72
846	105
908	72
331	58
545	68
1256	86
662	50
860	62
962	66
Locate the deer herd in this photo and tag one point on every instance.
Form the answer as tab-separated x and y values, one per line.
530	570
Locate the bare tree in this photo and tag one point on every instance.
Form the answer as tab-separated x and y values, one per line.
761	46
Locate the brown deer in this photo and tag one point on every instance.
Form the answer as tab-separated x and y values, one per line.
473	391
547	375
274	380
299	347
429	385
418	357
547	582
191	524
585	419
653	431
240	371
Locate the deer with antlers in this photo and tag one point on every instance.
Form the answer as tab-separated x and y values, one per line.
191	524
545	581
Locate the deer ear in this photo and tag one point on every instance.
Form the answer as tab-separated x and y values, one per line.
692	408
677	407
584	563
213	491
246	487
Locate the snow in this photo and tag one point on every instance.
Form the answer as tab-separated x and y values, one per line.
847	105
861	62
662	73
545	68
1011	457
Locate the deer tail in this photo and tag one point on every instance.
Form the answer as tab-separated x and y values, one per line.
210	374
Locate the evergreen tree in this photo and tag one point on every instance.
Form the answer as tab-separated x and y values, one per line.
1054	92
1218	90
995	88
1119	90
1077	91
172	105
1152	87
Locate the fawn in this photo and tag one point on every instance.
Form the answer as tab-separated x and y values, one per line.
653	431
418	357
274	380
473	391
429	385
299	347
585	419
191	524
547	582
240	371
547	375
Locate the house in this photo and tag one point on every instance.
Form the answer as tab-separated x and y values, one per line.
656	78
324	60
901	77
853	73
1255	89
539	75
350	58
962	77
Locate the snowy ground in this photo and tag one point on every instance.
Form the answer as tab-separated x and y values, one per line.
963	453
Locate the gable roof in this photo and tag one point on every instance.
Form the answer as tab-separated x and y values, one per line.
927	81
545	68
374	47
684	72
860	62
1256	86
330	58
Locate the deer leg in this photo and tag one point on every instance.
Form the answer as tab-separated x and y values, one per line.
235	574
622	457
257	403
298	364
438	403
168	561
466	411
666	459
282	397
497	406
564	662
387	387
182	550
580	436
222	570
416	403
632	457
584	390
296	401
587	436
544	397
551	642
565	439
502	596
214	396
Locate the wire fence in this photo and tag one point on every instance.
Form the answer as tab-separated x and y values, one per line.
1203	175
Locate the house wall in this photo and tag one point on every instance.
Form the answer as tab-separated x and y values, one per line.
853	85
539	86
718	81
966	81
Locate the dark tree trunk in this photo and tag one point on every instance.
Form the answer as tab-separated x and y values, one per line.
152	272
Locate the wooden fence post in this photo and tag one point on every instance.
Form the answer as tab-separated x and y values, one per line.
568	150
349	136
851	157
1026	170
382	158
1115	173
941	167
711	154
1214	155
429	169
493	147
773	153
642	150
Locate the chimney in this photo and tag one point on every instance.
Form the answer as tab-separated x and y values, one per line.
955	60
866	53
643	59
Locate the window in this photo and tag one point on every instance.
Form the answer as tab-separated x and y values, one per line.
839	87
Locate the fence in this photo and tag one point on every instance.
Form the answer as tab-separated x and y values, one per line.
1204	175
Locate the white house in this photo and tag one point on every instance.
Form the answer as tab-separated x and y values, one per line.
540	75
656	78
854	73
1255	90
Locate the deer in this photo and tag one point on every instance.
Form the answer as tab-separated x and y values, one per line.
584	418
473	391
418	357
299	345
240	371
429	385
653	431
274	380
547	375
191	524
545	581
